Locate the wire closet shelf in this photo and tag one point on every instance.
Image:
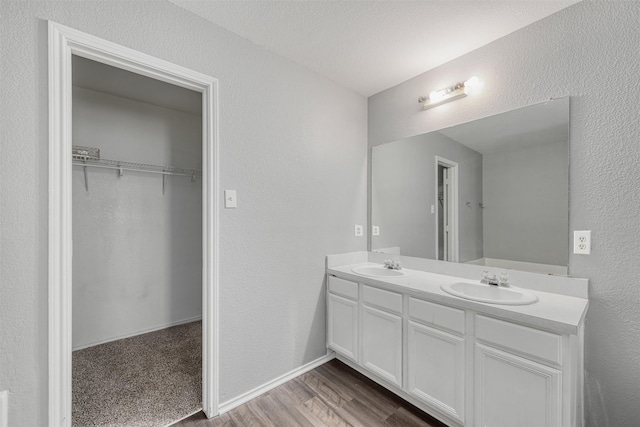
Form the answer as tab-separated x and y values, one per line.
90	157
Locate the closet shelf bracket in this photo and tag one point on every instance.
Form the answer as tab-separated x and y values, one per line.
86	179
164	183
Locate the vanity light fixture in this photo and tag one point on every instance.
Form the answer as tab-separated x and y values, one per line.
451	93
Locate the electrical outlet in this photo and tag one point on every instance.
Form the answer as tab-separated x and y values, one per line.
582	242
359	230
375	230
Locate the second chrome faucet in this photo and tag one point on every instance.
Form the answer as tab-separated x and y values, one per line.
492	279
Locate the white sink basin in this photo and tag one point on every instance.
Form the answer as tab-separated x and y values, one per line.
490	294
376	271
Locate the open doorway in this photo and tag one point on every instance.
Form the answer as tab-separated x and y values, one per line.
446	209
64	44
137	248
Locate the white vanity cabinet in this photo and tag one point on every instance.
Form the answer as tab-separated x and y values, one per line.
342	317
467	366
436	359
518	375
382	333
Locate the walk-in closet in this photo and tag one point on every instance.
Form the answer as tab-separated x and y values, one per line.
137	248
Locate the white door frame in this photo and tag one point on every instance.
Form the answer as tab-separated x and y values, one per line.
453	244
63	43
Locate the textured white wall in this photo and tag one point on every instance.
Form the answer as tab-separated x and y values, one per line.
137	254
293	144
589	51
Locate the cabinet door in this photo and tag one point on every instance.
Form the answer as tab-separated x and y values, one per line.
436	369
382	344
342	326
514	391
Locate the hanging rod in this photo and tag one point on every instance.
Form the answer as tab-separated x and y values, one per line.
85	161
138	167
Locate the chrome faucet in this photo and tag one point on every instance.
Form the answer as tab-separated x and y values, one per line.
392	265
493	280
489	278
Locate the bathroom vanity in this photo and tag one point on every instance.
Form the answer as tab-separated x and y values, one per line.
465	362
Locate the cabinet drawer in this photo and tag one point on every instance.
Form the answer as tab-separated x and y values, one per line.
441	316
387	300
343	287
544	345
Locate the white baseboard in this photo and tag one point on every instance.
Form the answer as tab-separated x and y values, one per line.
252	394
139	332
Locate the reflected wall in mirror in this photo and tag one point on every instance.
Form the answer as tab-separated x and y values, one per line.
492	192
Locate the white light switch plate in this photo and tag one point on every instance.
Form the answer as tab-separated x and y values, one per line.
582	242
230	200
359	230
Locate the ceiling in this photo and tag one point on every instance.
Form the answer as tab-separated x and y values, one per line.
370	46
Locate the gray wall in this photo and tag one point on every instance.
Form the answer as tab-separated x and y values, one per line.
293	144
403	189
137	254
525	197
590	52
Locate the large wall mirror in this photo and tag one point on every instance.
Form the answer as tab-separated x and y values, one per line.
491	192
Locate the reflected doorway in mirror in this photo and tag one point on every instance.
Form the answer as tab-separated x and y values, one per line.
446	209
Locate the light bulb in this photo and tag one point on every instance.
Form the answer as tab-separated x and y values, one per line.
472	81
436	95
472	85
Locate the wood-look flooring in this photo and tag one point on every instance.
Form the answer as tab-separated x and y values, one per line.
330	395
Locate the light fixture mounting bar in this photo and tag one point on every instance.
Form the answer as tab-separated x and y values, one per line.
448	94
448	97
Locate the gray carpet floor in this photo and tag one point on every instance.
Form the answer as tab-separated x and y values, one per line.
148	380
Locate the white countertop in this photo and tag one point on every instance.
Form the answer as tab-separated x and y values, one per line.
554	312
